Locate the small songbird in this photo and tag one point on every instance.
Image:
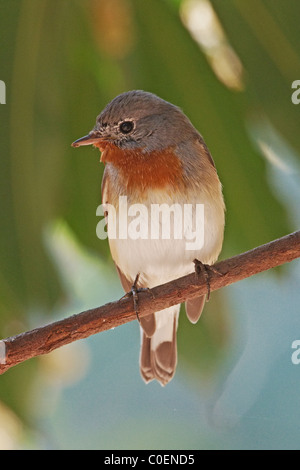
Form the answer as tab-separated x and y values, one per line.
156	158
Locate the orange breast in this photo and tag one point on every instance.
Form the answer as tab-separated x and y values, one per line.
140	171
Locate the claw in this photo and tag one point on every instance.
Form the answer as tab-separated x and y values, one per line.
135	297
134	293
204	270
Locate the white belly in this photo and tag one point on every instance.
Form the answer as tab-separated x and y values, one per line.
170	256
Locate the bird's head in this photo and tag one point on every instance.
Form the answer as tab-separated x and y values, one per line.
139	120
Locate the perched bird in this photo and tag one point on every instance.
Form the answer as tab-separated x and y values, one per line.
155	157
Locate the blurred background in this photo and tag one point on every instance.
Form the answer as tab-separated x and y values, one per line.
230	66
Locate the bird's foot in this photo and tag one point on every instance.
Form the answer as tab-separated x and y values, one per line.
204	270
134	294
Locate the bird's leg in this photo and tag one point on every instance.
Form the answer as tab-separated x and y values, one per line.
204	270
134	293
135	297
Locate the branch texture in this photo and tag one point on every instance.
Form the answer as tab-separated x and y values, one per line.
45	339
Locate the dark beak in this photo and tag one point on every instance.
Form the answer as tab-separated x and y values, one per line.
89	139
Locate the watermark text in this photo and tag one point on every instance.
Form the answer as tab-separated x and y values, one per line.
154	222
296	94
2	92
296	354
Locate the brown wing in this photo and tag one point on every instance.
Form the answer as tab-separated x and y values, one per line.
194	307
127	285
105	186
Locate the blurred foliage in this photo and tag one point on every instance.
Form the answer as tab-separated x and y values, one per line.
61	65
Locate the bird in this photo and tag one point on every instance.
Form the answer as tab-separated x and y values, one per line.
155	157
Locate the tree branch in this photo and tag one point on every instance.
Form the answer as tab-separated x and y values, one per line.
42	340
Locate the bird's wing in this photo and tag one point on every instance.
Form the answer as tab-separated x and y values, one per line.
194	308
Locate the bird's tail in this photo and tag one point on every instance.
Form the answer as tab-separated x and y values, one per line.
158	356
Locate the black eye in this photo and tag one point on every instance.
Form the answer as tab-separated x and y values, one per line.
126	127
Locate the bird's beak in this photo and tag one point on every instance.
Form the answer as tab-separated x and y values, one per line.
91	138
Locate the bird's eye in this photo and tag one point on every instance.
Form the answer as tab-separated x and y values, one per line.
126	127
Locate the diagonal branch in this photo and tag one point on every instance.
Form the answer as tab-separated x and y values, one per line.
42	340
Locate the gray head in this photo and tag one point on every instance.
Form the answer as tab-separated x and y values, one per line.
138	119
